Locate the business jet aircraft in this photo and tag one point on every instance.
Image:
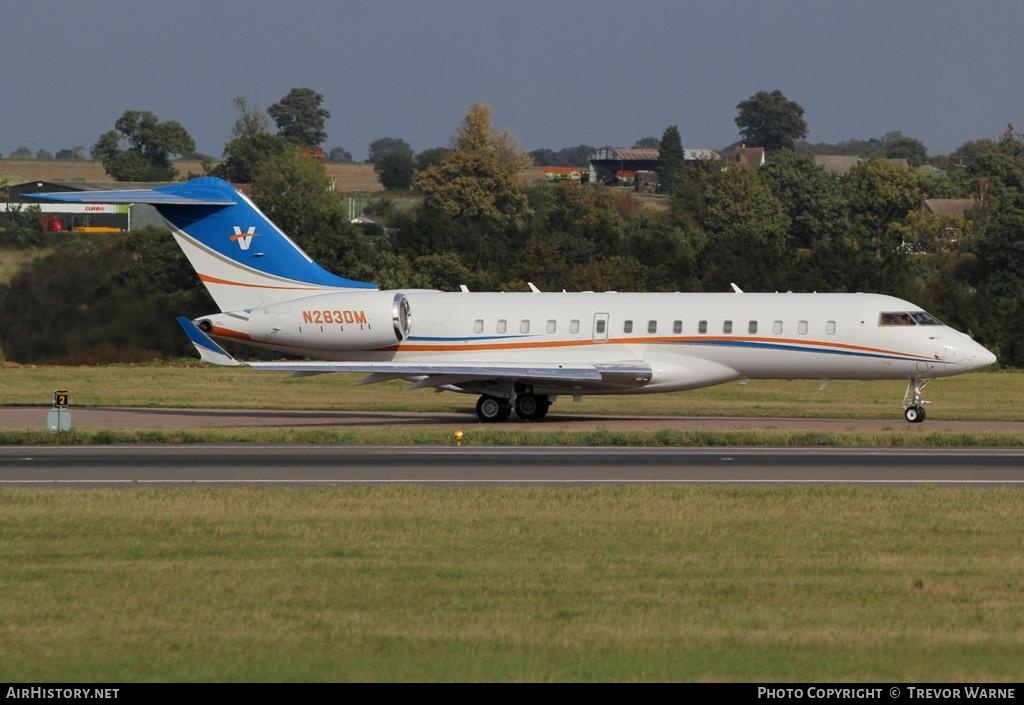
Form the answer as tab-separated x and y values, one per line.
523	350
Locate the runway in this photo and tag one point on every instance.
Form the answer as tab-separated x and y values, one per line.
320	465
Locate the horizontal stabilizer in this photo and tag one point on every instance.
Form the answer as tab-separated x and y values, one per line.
153	196
208	350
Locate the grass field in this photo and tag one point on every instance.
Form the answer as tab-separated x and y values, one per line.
980	395
813	584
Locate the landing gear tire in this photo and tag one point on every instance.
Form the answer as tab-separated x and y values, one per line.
914	401
531	407
914	414
492	409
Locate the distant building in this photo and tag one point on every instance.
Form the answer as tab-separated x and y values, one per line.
839	164
84	217
749	157
948	207
617	165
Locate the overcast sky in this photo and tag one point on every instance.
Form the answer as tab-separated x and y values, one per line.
557	72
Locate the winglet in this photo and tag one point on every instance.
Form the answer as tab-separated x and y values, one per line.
208	350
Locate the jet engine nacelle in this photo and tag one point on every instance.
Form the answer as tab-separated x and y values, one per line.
338	321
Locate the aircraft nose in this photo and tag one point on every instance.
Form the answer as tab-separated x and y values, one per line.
976	356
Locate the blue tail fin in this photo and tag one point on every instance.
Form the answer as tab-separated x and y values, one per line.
244	259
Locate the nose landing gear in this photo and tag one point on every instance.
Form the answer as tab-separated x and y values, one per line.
913	401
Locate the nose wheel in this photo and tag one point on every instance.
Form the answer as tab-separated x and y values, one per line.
913	401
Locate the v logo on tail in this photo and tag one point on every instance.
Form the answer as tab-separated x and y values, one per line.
525	350
244	240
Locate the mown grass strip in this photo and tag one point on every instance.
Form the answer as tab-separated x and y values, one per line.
406	583
895	438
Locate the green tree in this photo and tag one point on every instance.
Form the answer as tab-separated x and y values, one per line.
771	120
647	143
339	155
251	121
396	168
43	154
747	234
21	153
1011	143
430	157
140	146
293	190
300	117
812	199
574	156
899	146
383	146
881	194
480	179
671	160
544	157
244	156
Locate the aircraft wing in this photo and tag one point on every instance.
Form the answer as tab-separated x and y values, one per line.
434	374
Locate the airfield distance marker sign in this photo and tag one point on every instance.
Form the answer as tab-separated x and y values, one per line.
59	418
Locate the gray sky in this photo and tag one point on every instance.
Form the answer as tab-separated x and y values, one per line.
557	72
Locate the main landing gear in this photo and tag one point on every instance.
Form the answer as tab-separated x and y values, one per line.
529	407
913	403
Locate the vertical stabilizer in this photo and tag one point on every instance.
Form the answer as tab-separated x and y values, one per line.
244	259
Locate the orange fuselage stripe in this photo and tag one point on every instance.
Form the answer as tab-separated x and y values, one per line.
214	280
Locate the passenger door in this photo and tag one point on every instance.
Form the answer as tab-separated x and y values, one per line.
600	327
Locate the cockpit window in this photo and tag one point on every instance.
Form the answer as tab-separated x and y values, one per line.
908	318
896	319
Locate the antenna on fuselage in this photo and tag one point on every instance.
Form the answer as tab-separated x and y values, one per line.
735	288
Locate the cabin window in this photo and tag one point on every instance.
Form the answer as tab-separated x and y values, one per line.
627	326
574	326
524	326
652	326
502	325
600	326
677	327
552	326
777	327
702	327
830	327
752	327
727	327
801	327
896	319
478	325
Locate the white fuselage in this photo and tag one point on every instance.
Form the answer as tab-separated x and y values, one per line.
688	340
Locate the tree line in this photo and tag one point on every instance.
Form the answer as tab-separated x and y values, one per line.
789	225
